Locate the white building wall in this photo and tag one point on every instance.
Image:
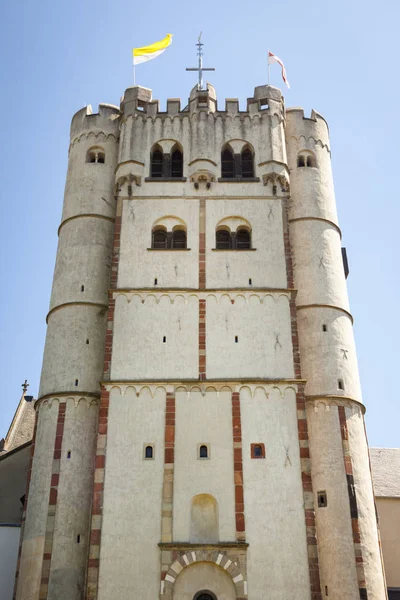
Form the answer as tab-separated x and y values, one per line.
265	264
9	544
131	528
273	496
203	419
261	323
140	325
139	266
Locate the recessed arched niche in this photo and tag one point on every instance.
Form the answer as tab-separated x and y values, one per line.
204	528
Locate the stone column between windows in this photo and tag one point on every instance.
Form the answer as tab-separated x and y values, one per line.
302	426
93	564
353	504
28	481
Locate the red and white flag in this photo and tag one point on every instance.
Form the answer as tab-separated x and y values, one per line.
275	59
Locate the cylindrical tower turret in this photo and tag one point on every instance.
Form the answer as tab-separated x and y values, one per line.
349	555
59	498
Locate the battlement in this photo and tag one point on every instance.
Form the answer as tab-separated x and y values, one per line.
315	126
104	120
138	101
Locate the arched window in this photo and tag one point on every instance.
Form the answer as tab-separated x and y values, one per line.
247	163
223	239
301	161
95	155
310	161
179	239
157	163
243	239
148	453
159	239
176	163
203	452
227	164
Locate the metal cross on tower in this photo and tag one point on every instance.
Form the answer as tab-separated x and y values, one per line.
200	68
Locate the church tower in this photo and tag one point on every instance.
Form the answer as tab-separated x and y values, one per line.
199	427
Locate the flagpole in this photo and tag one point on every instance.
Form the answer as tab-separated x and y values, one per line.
269	67
134	73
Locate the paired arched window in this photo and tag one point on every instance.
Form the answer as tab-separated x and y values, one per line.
237	166
162	239
237	240
306	159
96	155
165	165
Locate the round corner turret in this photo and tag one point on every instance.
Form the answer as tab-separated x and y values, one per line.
105	121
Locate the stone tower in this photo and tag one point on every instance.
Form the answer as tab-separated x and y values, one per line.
199	428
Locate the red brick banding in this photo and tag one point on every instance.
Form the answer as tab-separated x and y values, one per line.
202	244
348	467
28	481
302	426
55	476
202	339
102	427
238	467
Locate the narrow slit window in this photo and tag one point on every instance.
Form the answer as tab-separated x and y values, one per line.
87	342
236	339
78	538
76	382
69	454
155	281
164	339
322	499
149	452
82	288
340	384
324	327
250	282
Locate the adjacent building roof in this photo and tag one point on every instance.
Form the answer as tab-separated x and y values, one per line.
385	465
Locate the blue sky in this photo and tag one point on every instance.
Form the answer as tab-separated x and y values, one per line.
341	59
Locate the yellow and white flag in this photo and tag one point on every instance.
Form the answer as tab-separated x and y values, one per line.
141	55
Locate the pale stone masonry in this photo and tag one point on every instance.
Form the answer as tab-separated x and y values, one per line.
200	430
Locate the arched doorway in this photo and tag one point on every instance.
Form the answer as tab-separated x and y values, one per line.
204	581
204	595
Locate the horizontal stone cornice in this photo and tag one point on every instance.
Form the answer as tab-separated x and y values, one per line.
331	306
75	303
85	216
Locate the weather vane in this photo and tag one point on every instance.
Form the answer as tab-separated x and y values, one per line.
200	68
